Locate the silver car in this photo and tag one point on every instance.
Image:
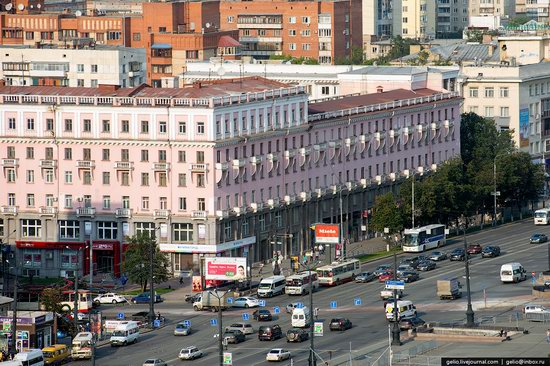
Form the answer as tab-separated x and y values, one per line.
246	328
182	329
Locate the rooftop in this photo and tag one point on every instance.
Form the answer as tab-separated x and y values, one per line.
461	52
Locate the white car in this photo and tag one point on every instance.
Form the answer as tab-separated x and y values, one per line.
246	302
535	309
246	328
277	354
109	298
190	353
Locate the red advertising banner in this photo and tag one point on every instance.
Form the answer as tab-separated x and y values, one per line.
327	233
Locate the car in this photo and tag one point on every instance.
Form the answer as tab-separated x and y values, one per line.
190	353
297	335
186	274
262	315
182	329
155	362
457	254
191	298
246	302
437	256
234	336
270	332
277	354
246	328
382	269
538	238
144	298
109	298
408	276
365	277
411	261
80	316
290	307
535	309
474	249
340	324
427	265
386	276
411	323
404	268
490	252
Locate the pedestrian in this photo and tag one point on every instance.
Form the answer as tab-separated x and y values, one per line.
181	281
316	313
261	268
548	336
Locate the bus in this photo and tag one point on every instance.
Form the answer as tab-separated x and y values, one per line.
339	272
298	284
542	216
84	301
424	238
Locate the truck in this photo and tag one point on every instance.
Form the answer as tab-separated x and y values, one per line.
208	300
82	346
448	289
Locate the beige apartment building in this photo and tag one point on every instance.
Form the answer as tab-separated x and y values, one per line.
535	9
502	8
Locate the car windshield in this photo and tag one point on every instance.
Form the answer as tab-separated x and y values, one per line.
236	325
180	326
274	351
119	333
48	354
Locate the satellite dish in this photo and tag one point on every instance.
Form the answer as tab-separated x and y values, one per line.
221	71
38	6
78	13
20	6
207	25
9	6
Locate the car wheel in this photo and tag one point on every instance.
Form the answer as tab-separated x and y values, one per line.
114	301
246	306
97	303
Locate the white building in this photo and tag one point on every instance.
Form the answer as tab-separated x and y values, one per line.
74	67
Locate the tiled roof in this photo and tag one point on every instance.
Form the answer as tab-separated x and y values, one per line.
228	41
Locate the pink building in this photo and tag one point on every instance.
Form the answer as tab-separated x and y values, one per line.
216	168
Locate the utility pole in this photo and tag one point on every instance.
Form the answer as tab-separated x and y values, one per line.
341	222
396	332
312	359
75	303
469	311
495	191
151	286
91	263
13	348
221	297
412	211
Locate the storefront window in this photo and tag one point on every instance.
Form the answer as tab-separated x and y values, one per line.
31	228
183	232
107	230
69	229
69	259
32	258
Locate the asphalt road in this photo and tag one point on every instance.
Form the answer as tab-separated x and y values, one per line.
369	324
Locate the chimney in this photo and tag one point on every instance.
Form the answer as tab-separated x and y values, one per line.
108	88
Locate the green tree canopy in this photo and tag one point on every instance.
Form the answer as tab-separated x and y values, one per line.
51	299
386	213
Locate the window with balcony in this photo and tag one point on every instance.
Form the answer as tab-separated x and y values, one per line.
162	156
31	228
69	229
201	204
182	232
86	154
107	230
11	152
125	201
49	200
87	200
125	155
48	153
11	199
145	228
106	202
163	203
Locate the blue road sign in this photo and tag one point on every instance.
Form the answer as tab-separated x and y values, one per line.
246	316
213	322
333	304
261	303
299	305
230	300
276	310
120	316
357	301
156	323
187	323
395	285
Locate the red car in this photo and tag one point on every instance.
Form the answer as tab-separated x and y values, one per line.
474	249
386	276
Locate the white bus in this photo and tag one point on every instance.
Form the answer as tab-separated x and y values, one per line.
542	216
424	238
298	284
338	272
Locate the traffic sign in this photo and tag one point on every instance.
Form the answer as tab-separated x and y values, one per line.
156	323
276	310
213	322
333	304
299	305
187	323
227	359
120	316
318	329
230	300
395	285
357	302
261	303
246	316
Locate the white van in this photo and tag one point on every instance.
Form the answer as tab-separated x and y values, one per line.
271	286
31	357
301	317
405	310
512	272
125	333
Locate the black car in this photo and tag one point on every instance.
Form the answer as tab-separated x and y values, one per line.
270	332
262	315
297	335
457	254
538	238
234	336
408	276
412	323
426	265
490	252
340	324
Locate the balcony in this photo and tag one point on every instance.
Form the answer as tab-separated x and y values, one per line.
289	154
290	199
256	159
304	151
272	202
161	167
222	166
319	192
199	215
48	164
10	163
124	165
238	163
161	214
85	212
238	210
222	214
123	213
304	196
9	210
255	206
85	164
47	211
199	168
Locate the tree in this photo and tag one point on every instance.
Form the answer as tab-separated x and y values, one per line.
51	299
386	213
137	261
518	20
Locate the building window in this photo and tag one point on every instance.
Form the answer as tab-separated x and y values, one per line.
489	92
106	125
87	178
11	124
183	232
30	176
145	179
30	152
80	68
125	155
182	203
200	128
30	123
69	258
144	155
162	180
48	175
68	152
125	126
325	90
201	180
94	83
49	124
107	230
87	125
144	126
11	152
69	229
1	227
136	36
162	127
306	46
106	202
505	111
182	180
11	199
30	200
31	228
474	92
105	154
10	173
125	179
80	82
68	125
504	92
69	177
489	111
201	204
145	228
162	156
32	258
145	203
292	32
68	201
125	201
292	46
230	19
163	203
94	69
49	200
292	20
182	128
227	230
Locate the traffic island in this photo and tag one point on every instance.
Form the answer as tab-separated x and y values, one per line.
475	335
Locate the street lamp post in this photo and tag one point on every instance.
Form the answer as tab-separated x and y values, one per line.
13	345
395	331
151	285
312	361
469	311
220	297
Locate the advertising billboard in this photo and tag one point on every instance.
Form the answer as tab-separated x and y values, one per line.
225	268
524	127
327	234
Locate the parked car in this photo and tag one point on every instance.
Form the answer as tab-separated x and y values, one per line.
457	254
270	332
474	249
277	354
383	268
246	302
538	238
246	328
190	353
490	252
340	324
437	256
155	362
262	315
409	277
182	330
234	336
109	298
297	335
386	276
411	323
411	261
426	265
365	277
144	297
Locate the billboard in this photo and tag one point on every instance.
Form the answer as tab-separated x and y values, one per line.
327	233
225	268
524	127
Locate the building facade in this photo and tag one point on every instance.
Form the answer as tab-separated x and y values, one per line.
210	169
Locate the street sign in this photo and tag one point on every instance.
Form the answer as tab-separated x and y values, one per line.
230	300
299	305
246	316
120	316
227	359
357	302
187	323
395	285
276	310
333	304
318	329
213	322
156	323
261	303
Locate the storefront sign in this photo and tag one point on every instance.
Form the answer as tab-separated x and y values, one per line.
198	248
103	246
47	244
22	321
